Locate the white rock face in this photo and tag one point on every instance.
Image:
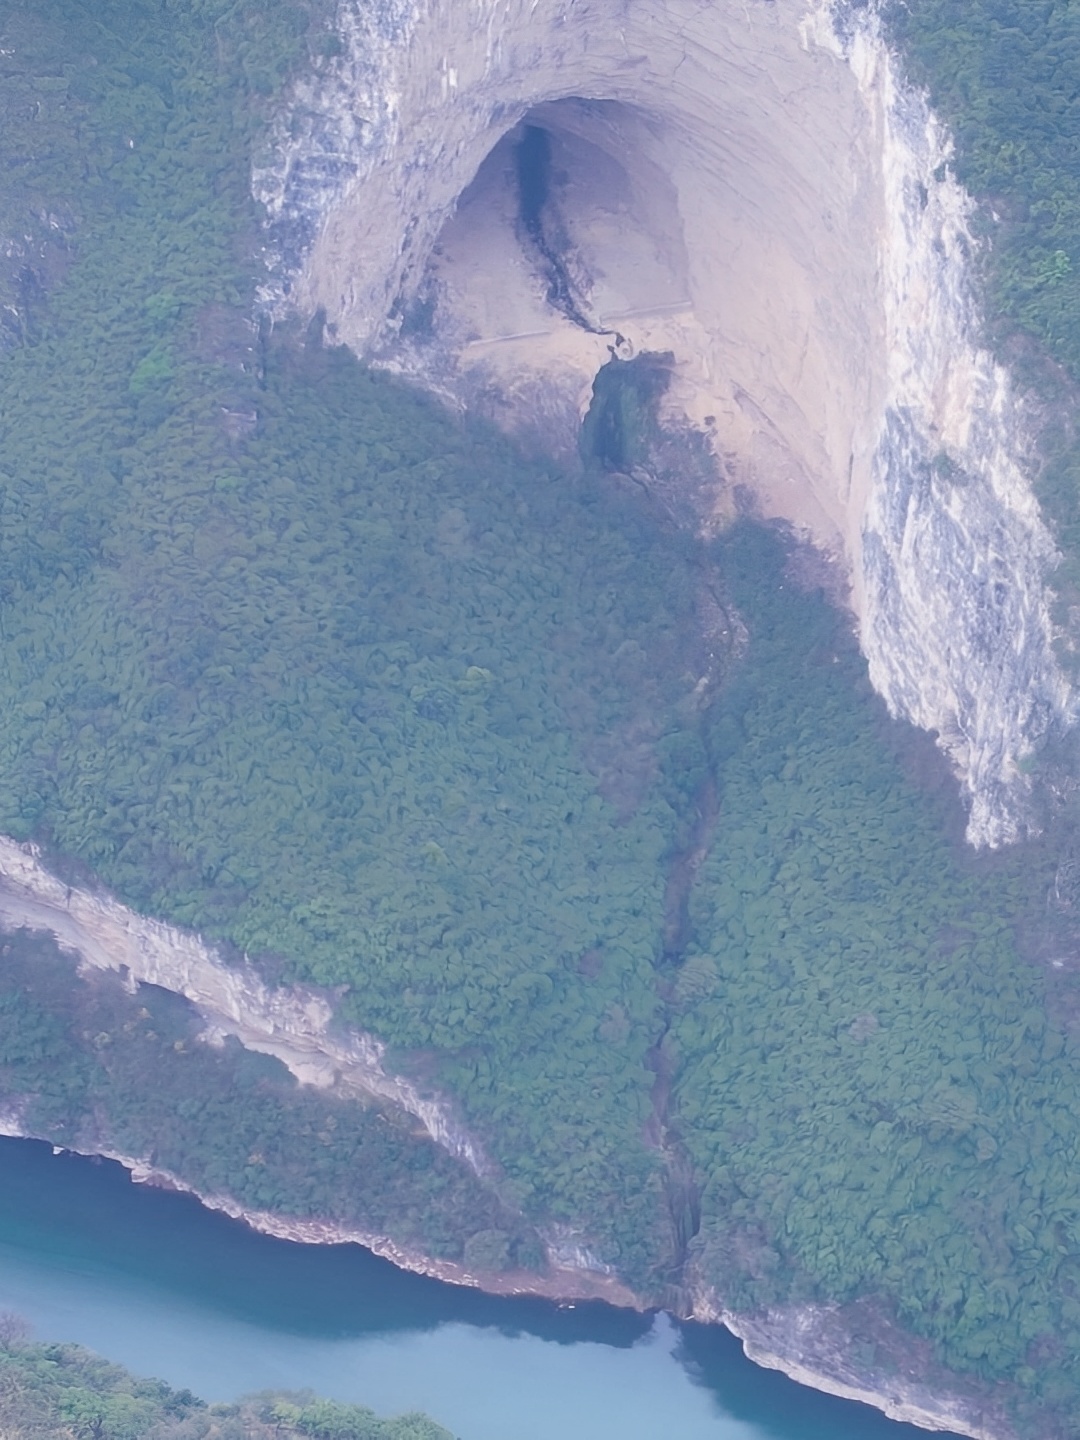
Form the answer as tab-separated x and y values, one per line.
292	1023
742	183
954	615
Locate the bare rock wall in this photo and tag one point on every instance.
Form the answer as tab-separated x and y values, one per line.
749	186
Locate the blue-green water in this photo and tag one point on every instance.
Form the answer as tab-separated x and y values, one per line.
167	1288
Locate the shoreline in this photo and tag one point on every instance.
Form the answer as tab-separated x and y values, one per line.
562	1287
905	1410
293	1024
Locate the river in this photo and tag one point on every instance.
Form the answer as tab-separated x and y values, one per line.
154	1281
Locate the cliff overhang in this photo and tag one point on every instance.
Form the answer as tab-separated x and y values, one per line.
751	190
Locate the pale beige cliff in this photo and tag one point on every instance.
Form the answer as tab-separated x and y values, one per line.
749	186
719	198
294	1024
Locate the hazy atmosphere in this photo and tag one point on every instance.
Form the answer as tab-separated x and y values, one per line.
539	784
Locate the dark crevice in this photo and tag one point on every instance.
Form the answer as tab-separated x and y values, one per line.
534	179
682	1190
623	437
533	162
678	926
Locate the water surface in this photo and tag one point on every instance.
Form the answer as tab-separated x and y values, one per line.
157	1283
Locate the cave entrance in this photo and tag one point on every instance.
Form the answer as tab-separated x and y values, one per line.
712	190
568	223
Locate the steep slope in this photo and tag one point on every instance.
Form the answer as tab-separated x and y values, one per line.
751	189
590	823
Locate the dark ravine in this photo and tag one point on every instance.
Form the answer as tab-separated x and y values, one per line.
681	1187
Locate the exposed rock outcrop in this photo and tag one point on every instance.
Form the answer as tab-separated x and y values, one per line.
817	1345
291	1023
749	187
825	1347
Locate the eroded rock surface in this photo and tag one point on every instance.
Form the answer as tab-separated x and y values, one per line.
291	1023
748	187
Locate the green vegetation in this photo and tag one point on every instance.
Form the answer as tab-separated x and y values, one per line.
293	656
93	1066
875	1096
63	1392
369	711
290	655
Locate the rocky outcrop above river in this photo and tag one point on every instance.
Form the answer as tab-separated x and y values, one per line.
855	1352
750	188
291	1023
296	1026
858	1353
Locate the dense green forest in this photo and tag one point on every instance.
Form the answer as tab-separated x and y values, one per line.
290	655
98	1067
63	1392
872	1082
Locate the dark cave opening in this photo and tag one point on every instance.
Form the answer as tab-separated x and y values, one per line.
543	231
533	157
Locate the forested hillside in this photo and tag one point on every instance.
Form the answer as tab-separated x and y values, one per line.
600	827
875	1093
99	1068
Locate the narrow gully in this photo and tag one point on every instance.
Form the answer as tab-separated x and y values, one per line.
681	1188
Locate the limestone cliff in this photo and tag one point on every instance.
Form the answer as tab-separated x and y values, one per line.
750	187
292	1024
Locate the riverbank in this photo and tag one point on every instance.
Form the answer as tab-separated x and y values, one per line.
807	1361
565	1287
811	1345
